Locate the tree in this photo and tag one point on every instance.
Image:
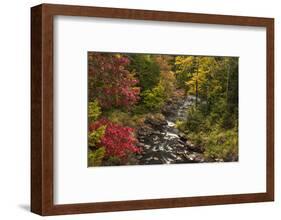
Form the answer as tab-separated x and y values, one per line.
213	121
110	81
167	76
146	69
154	99
185	69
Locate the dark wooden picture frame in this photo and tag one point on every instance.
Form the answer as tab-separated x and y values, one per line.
42	109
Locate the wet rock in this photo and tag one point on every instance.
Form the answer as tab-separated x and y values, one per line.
156	133
144	131
231	158
182	136
146	146
140	144
157	124
194	157
171	109
162	142
194	148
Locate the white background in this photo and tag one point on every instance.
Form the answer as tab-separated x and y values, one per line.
15	110
181	180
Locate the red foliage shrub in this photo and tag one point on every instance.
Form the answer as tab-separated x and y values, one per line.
110	82
117	140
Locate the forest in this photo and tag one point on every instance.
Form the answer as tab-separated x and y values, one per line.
161	109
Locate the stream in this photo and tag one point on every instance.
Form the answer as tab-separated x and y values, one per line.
162	142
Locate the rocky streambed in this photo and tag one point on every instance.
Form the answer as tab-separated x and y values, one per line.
162	142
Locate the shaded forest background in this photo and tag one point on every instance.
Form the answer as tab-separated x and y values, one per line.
124	90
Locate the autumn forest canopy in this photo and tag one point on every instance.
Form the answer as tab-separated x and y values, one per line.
161	109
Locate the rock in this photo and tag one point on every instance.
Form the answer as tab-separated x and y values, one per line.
144	131
162	142
231	158
192	147
139	144
182	136
157	124
194	157
156	132
169	101
170	110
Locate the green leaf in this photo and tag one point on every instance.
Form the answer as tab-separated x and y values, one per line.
94	110
95	157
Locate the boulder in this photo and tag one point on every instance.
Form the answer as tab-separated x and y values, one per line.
144	131
156	123
182	136
194	148
194	157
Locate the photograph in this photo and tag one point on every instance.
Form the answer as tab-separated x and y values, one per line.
146	109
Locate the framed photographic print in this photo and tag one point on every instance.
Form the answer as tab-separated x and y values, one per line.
138	109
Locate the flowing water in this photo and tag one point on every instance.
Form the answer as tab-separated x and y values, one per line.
164	143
